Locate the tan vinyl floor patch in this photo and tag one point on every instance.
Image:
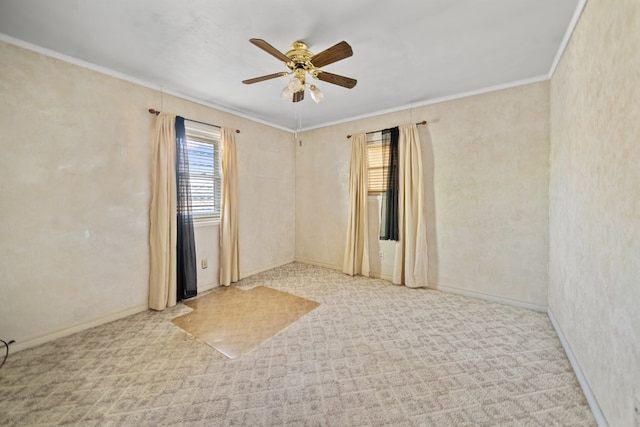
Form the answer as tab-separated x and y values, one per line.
234	321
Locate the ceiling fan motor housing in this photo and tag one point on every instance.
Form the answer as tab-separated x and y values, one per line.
300	57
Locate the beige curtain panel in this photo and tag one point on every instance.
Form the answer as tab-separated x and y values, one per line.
229	245
356	254
162	214
411	259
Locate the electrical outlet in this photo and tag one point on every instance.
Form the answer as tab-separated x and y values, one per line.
204	263
381	254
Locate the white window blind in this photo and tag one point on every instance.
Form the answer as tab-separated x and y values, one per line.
205	169
378	163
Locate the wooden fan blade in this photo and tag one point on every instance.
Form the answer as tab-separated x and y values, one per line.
270	49
298	96
336	79
334	53
263	78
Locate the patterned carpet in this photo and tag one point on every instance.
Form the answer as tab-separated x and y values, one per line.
372	354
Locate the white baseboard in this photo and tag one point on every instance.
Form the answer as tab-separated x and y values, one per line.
591	399
207	287
79	327
488	297
318	263
376	275
449	289
372	274
267	267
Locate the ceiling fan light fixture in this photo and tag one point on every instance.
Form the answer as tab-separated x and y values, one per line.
295	85
316	94
286	93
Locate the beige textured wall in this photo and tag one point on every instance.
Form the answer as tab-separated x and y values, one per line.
74	194
594	290
486	179
380	266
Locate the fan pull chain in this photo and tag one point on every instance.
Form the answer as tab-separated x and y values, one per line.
298	119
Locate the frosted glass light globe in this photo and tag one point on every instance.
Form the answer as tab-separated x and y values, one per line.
286	93
295	85
316	94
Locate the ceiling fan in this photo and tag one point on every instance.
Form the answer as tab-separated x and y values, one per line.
300	62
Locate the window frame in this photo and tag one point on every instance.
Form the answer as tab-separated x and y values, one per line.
201	133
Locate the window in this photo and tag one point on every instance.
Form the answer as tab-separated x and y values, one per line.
382	153
205	169
378	163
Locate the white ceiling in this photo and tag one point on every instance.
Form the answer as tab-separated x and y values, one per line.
406	52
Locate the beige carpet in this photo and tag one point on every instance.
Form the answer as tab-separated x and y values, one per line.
235	322
372	354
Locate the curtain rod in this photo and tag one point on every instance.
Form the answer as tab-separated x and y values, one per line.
424	122
156	112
